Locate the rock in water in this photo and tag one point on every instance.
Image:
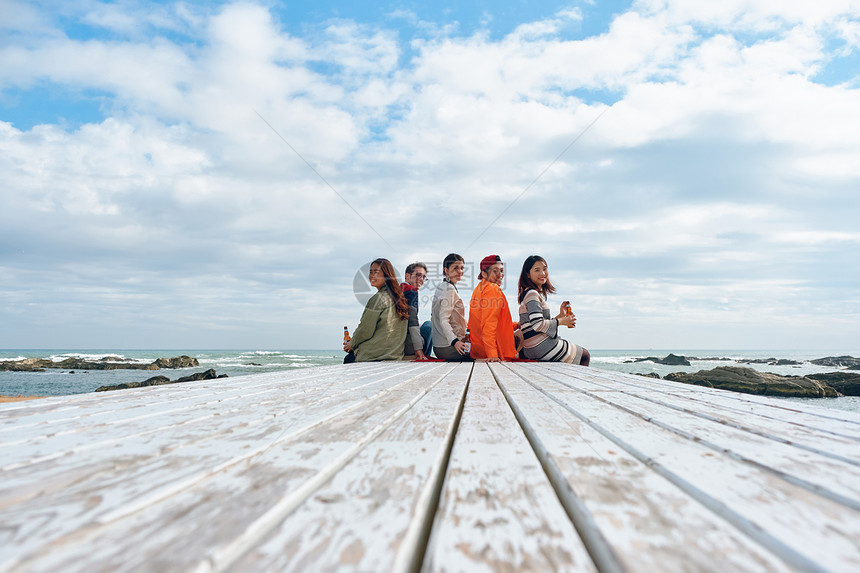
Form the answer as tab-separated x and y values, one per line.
208	375
671	360
752	381
845	383
177	362
770	361
159	380
108	363
26	365
154	381
837	361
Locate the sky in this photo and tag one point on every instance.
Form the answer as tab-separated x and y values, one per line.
217	174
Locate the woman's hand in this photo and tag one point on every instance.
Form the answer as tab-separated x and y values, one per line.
346	346
494	359
460	347
569	320
419	355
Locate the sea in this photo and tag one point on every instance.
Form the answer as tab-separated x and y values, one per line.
57	382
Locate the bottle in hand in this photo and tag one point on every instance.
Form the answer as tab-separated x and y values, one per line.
565	308
467	340
346	337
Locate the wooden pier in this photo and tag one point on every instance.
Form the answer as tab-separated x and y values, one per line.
428	466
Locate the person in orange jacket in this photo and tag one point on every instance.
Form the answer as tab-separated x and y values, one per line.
490	326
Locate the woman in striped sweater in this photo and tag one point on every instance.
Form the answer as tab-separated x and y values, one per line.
540	332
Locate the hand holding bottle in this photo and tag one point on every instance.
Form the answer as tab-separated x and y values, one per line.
467	343
568	321
347	347
566	313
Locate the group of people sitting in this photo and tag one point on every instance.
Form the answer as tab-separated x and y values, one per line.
389	328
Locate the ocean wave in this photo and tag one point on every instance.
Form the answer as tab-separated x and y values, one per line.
257	365
92	357
613	359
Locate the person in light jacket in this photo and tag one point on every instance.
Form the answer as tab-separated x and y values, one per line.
448	313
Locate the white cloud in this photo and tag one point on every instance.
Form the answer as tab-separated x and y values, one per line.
15	15
358	50
848	30
751	15
550	27
717	187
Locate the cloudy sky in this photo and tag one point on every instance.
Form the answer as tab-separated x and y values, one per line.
213	174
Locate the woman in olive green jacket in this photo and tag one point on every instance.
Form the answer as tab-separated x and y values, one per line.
381	332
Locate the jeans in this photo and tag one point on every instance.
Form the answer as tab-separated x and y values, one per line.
427	335
450	354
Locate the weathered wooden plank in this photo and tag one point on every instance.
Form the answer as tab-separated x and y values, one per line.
99	431
816	432
810	533
362	518
232	498
648	523
120	406
171	456
82	405
812	429
148	474
805	415
498	509
822	474
339	468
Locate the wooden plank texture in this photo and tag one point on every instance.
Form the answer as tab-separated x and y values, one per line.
498	510
186	477
777	509
648	523
433	466
362	518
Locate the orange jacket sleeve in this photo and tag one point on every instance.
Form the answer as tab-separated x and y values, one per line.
496	303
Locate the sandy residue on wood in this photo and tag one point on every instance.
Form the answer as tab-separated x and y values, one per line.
18	398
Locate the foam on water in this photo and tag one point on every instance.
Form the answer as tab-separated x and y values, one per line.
88	357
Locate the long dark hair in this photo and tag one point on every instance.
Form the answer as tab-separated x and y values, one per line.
392	285
526	283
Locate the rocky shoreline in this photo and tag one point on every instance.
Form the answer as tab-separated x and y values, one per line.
845	381
750	381
159	380
106	363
